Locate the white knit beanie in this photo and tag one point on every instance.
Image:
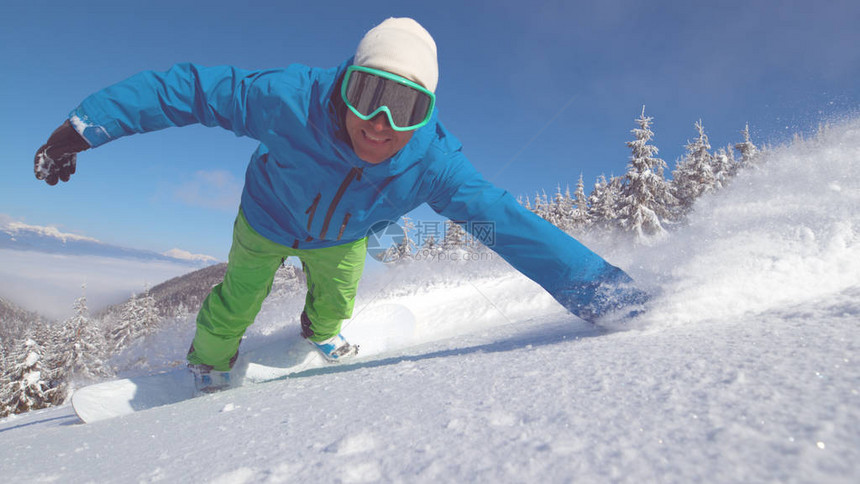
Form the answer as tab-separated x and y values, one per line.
403	47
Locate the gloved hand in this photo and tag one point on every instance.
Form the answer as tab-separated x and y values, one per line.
56	159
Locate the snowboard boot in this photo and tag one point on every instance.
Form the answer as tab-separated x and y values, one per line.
334	349
208	380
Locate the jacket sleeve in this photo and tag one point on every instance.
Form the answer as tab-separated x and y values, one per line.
576	277
238	100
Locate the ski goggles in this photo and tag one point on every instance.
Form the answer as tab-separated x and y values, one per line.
368	92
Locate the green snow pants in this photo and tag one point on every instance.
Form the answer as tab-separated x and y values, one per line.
332	277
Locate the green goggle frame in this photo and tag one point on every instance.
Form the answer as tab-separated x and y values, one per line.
368	92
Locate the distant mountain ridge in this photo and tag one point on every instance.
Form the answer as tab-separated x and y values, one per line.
9	311
185	293
20	236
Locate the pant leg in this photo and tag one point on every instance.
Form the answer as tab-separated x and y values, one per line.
332	275
232	305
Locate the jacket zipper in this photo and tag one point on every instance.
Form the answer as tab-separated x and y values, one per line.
343	225
312	209
354	174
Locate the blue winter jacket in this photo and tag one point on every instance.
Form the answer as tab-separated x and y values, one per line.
306	188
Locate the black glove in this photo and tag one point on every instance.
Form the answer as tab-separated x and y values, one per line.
56	159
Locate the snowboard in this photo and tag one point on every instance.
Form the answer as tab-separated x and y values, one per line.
376	330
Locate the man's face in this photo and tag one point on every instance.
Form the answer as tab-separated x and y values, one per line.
374	141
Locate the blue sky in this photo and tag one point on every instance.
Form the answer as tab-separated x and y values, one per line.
538	92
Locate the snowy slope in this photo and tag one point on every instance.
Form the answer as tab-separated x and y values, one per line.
744	370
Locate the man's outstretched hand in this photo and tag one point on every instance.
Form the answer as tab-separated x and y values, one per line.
56	159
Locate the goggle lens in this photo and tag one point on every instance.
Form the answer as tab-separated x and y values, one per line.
408	105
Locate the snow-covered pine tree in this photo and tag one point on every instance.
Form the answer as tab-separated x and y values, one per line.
2	355
596	199
80	347
749	152
550	214
646	200
724	168
404	251
149	317
289	281
693	175
430	249
139	317
541	205
570	207
128	325
603	203
181	311
580	218
29	386
5	387
525	202
455	236
560	210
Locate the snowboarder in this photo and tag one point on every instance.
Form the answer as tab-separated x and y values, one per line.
340	150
